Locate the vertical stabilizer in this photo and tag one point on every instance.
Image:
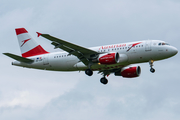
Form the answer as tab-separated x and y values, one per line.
28	46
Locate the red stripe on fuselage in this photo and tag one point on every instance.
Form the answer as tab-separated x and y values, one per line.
133	45
20	31
35	51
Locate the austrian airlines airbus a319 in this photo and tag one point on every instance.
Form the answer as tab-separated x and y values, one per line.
106	59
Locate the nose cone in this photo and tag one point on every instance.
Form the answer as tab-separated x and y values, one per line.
174	51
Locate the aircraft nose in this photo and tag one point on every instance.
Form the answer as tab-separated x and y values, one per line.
174	50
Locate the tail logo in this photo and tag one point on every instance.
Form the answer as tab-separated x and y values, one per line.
24	41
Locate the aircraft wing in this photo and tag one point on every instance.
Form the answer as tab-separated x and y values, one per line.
81	52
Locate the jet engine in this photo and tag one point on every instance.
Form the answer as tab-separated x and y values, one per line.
108	58
129	72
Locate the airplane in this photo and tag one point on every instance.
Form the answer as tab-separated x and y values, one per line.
114	59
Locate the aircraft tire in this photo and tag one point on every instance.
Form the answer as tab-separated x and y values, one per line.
103	80
152	70
89	72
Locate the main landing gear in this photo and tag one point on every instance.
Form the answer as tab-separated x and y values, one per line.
103	80
151	64
89	72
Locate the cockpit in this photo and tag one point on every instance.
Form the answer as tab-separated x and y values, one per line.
163	43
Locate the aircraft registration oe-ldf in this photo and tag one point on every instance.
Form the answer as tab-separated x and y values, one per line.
106	59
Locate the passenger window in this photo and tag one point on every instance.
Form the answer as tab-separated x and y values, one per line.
159	44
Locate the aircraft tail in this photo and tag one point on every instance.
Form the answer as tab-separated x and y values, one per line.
28	46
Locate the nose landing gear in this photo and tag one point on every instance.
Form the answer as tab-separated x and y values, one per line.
152	70
151	64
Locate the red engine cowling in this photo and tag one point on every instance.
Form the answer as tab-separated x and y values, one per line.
131	72
109	58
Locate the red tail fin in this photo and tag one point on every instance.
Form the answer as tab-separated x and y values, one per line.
27	44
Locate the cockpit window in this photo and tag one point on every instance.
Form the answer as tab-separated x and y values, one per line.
163	44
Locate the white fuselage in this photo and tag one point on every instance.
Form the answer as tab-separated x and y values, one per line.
130	53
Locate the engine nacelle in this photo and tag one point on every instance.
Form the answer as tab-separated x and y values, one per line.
108	58
129	72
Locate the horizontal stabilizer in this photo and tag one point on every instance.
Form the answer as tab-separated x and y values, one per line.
19	58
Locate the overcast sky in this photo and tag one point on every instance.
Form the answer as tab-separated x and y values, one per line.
29	94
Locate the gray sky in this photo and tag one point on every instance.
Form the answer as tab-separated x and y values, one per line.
28	94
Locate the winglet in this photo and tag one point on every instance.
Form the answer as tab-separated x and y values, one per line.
39	34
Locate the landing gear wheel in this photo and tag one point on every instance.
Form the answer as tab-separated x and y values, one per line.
152	70
151	64
104	80
89	72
